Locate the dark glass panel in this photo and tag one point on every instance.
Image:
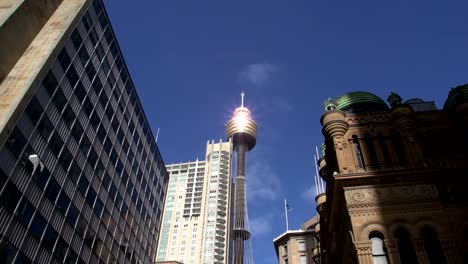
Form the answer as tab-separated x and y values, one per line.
87	106
91	197
38	225
41	177
76	38
77	131
52	190
64	59
94	120
83	55
97	86
90	71
101	133
65	158
63	202
16	142
80	91
50	236
68	116
72	75
85	145
25	211
59	100
87	21
74	172
93	37
3	178
72	215
34	110
45	127
50	82
83	185
55	143
99	51
92	157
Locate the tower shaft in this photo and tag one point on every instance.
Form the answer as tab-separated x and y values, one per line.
241	230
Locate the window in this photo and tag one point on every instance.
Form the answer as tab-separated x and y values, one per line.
10	197
378	250
83	55
64	59
16	142
358	151
303	259
405	247
76	38
302	246
432	246
72	75
59	100
50	82
34	110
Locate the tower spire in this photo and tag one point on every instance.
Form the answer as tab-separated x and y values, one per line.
242	99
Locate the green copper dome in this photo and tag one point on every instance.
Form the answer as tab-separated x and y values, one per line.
457	96
358	102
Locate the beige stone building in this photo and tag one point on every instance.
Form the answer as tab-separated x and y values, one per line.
296	246
396	180
196	223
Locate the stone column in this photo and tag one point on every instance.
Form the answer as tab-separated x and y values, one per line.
450	250
420	251
392	250
364	252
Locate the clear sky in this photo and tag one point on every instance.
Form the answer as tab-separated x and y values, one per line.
190	60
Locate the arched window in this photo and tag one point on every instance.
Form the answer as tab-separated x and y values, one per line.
358	151
405	247
398	144
432	246
383	145
378	250
371	149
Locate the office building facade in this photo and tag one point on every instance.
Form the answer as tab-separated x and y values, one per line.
81	177
196	223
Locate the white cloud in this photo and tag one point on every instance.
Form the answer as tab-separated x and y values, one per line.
262	182
258	73
260	225
309	194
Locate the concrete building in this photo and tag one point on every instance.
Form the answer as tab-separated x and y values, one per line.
196	225
396	180
296	246
81	177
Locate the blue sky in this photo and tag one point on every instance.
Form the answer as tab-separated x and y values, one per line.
191	59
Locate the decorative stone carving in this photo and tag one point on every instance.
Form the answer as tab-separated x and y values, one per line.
382	195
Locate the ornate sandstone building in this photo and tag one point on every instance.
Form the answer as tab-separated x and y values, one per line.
396	180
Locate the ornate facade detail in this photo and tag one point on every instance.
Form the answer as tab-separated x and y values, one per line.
394	194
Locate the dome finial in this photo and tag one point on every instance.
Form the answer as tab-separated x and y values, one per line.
242	99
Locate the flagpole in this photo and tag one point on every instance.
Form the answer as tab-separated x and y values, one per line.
286	214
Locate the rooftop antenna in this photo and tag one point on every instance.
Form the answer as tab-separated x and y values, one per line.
242	99
157	135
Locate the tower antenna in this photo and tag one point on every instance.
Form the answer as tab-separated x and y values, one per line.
242	99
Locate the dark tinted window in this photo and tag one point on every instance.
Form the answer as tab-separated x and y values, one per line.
64	59
76	38
55	143
90	70
10	197
50	82
68	116
34	110
99	51
87	106
52	190
16	142
45	128
93	37
80	91
50	236
87	21
38	225
72	75
83	55
59	100
41	178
